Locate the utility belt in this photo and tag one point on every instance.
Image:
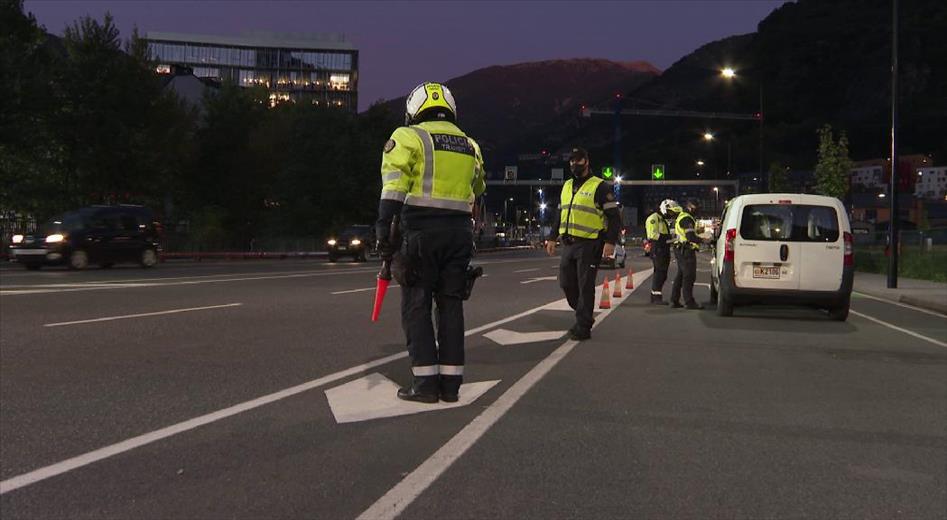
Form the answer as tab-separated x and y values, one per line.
569	239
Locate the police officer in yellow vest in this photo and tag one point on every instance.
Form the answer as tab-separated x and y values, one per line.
431	174
659	235
686	245
589	222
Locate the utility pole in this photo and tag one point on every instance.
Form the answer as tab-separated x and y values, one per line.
893	223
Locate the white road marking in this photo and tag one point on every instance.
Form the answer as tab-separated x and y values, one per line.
142	315
899	329
539	279
702	284
394	502
85	459
375	396
527	270
511	337
363	289
899	304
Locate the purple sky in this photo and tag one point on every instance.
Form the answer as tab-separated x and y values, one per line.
404	43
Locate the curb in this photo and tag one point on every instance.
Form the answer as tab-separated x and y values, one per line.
922	303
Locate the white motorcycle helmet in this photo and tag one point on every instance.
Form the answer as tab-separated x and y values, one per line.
668	206
429	96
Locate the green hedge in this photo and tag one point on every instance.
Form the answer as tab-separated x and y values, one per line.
911	264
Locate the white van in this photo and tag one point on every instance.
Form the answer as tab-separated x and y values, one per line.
783	248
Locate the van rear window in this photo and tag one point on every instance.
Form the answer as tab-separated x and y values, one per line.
789	223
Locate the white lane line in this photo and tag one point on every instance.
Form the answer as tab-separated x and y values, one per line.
142	315
899	304
527	270
136	442
394	502
899	329
362	290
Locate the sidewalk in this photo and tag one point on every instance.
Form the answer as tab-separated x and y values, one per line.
920	293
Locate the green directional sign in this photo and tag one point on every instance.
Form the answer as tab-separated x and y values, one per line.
608	172
657	172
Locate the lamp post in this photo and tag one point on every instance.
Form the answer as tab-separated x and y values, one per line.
729	74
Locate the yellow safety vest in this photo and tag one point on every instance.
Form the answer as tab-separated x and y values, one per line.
681	232
656	226
432	164
578	215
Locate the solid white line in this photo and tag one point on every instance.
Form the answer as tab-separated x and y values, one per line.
147	438
394	502
527	270
363	290
899	304
127	316
899	329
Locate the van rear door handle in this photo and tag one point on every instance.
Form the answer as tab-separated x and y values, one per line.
784	252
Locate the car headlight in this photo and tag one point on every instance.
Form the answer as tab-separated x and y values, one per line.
355	242
331	242
52	239
17	239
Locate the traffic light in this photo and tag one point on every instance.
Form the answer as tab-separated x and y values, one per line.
608	172
657	172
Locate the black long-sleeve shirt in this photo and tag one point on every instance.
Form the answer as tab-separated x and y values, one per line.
603	195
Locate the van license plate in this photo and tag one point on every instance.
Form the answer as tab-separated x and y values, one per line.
771	273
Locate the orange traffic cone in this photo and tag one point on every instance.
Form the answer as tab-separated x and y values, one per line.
617	293
630	282
605	303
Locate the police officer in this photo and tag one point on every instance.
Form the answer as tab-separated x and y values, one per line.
686	245
659	236
589	222
431	174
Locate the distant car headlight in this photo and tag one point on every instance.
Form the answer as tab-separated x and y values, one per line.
52	239
17	239
331	242
355	242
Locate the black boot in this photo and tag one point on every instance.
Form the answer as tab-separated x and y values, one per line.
656	299
450	388
694	306
410	393
676	305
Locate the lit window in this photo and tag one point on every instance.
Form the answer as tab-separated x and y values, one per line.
163	69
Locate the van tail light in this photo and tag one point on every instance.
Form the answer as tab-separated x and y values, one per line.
849	249
728	245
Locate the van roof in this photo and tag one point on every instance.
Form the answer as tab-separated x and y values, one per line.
797	198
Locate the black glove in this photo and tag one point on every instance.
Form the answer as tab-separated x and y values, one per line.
385	249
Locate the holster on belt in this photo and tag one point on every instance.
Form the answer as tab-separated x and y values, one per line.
472	274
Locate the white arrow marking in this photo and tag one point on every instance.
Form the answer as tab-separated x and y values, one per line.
540	279
510	337
375	396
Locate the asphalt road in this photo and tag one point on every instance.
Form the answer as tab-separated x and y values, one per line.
202	390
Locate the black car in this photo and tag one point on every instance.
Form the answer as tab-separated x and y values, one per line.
354	241
103	235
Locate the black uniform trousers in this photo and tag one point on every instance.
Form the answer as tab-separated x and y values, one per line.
660	259
686	258
439	260
578	268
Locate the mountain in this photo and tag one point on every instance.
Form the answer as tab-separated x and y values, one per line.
503	107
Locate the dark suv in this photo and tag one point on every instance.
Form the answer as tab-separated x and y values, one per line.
103	235
354	241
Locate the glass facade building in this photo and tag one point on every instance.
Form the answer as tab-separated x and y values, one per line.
321	69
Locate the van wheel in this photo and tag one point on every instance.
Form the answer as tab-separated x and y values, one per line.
149	257
78	260
33	267
840	313
714	297
724	307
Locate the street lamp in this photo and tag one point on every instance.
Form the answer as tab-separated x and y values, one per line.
700	163
708	136
729	73
716	199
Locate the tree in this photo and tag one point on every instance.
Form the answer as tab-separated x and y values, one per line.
778	181
834	166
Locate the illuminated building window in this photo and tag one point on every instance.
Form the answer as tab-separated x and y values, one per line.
163	69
